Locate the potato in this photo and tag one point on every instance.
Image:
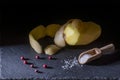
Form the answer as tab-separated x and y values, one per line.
52	29
81	33
71	31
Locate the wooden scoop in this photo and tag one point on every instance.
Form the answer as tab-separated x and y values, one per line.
95	53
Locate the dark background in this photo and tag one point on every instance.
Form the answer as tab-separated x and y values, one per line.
21	18
16	21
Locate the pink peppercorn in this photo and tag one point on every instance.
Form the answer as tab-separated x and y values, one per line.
31	65
25	62
44	66
37	57
49	57
36	71
22	58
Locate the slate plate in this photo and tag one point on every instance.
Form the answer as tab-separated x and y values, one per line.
64	66
17	22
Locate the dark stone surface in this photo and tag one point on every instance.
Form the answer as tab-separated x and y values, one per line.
18	21
12	66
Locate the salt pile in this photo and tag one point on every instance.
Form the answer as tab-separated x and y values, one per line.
84	58
69	63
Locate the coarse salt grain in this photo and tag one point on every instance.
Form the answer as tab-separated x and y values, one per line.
69	63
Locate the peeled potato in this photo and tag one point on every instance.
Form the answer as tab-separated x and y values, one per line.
81	33
71	34
52	29
72	31
36	34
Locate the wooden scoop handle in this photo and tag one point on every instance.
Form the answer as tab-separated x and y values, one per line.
110	48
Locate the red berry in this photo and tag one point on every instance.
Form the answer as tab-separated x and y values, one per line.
31	65
22	58
37	57
44	66
49	57
36	71
25	62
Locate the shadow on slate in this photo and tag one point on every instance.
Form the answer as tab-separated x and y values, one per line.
46	41
27	59
42	58
106	59
49	67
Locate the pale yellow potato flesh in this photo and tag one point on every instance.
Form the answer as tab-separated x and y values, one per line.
71	35
81	33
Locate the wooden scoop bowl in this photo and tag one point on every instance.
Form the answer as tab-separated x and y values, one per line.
95	53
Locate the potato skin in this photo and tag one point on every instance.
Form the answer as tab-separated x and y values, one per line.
91	31
51	49
35	44
36	34
51	30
